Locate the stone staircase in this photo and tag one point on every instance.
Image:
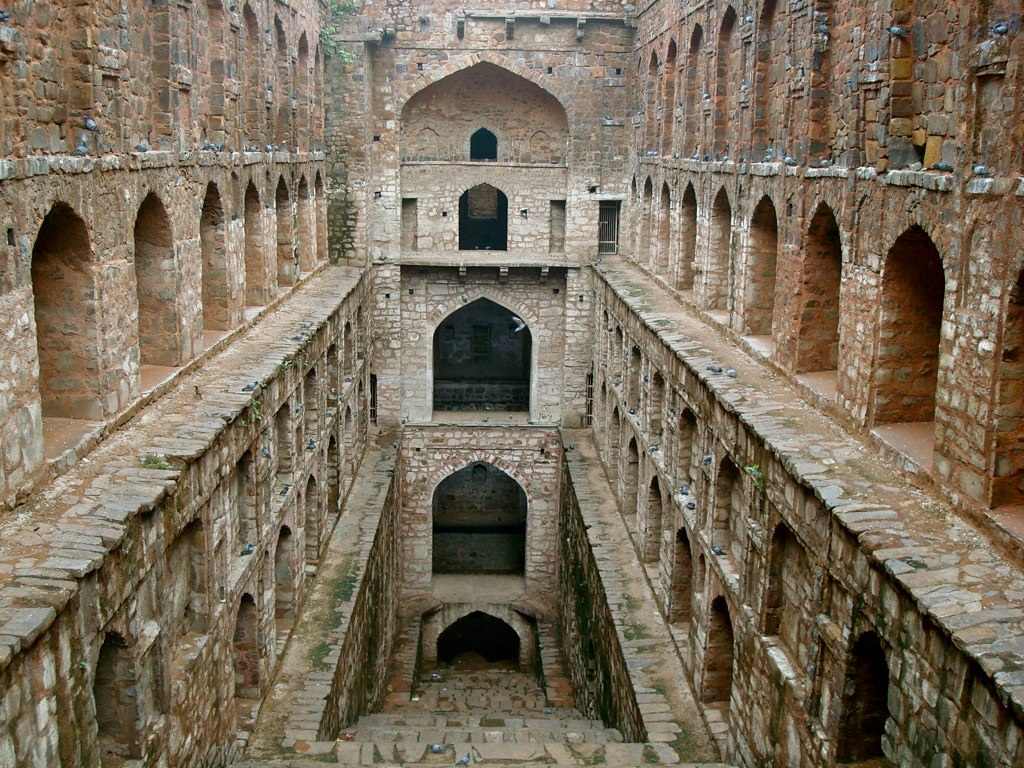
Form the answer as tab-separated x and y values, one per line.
475	716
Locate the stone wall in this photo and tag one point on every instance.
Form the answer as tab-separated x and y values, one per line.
164	573
590	644
787	196
429	295
371	624
529	455
796	567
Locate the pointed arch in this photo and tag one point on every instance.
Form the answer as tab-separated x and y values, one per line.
865	708
651	107
156	283
668	100
762	257
686	252
764	80
479	517
718	657
818	301
257	287
483	359
252	121
718	277
681	596
664	229
305	216
653	518
694	92
646	219
725	67
907	364
303	126
219	314
65	312
286	263
728	510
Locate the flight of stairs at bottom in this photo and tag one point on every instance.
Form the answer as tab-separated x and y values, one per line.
472	717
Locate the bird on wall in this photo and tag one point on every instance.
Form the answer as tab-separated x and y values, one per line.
520	325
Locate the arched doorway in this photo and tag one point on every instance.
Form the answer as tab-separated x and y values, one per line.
482	360
479	522
477	640
156	283
483	219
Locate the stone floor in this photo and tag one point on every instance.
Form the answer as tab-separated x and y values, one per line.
472	713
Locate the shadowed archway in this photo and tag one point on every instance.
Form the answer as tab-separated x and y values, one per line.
479	639
482	360
479	522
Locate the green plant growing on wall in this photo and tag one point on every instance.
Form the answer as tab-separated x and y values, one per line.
155	461
755	474
330	44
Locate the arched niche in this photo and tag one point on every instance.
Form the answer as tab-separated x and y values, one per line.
479	522
483	219
510	105
483	360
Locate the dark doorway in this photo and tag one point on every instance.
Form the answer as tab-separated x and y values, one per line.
483	219
479	517
482	356
483	145
478	638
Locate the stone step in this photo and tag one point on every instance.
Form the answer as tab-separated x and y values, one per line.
425	735
490	720
544	753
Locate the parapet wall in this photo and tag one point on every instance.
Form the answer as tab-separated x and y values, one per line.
817	601
149	590
590	642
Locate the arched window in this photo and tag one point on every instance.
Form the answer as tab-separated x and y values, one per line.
483	219
483	145
482	360
479	522
635	363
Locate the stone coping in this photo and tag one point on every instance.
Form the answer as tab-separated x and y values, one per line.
942	562
935	181
300	698
41	165
67	530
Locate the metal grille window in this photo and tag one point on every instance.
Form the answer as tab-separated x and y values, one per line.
608	227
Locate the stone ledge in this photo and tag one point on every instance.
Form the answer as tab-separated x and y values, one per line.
945	566
40	567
